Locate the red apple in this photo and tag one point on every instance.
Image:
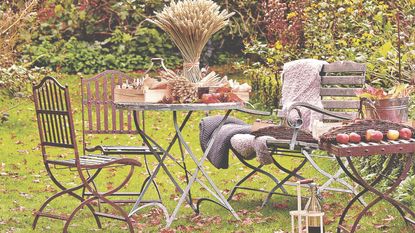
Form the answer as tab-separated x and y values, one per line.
405	133
392	134
369	134
376	136
342	138
354	137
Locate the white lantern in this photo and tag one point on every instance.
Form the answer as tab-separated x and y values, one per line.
309	220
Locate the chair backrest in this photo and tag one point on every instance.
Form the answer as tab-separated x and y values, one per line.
99	114
54	114
339	83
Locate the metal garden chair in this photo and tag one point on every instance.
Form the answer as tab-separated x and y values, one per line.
340	81
56	129
100	117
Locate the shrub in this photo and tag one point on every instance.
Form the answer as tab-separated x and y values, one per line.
121	51
16	80
406	191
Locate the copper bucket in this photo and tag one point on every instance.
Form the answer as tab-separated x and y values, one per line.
395	109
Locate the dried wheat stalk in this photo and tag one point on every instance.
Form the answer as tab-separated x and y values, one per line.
191	23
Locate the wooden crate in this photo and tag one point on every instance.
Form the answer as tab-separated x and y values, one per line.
128	95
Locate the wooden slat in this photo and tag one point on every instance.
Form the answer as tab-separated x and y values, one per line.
341	104
344	66
351	115
342	80
338	91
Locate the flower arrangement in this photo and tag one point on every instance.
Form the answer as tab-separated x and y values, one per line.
400	90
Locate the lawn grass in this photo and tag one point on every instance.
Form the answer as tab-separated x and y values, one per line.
24	184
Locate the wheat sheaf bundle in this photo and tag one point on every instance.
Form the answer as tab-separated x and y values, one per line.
191	23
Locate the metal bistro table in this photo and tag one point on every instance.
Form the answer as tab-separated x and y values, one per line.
392	148
152	143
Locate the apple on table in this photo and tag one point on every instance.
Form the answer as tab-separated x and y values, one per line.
374	135
392	134
405	133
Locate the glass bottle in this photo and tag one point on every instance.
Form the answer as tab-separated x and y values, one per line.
314	207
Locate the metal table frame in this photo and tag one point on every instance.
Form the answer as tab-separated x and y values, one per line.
151	143
384	148
353	173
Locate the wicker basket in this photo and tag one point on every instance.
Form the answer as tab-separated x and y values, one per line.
360	127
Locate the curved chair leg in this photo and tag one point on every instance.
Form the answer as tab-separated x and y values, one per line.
255	169
102	198
63	192
112	204
95	187
233	191
279	185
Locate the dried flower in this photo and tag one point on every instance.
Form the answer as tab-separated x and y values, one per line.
191	23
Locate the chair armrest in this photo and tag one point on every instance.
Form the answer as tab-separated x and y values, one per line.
298	122
316	109
254	112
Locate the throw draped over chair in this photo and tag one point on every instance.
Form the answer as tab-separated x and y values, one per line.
56	129
100	117
339	83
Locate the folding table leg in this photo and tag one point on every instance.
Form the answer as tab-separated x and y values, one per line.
200	168
370	187
332	178
160	162
184	168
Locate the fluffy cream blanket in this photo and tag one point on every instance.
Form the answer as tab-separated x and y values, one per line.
301	83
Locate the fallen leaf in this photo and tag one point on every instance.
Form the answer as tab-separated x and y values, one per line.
280	206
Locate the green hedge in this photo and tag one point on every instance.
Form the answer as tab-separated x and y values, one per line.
122	51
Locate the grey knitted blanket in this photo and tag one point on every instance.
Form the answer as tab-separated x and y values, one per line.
219	153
